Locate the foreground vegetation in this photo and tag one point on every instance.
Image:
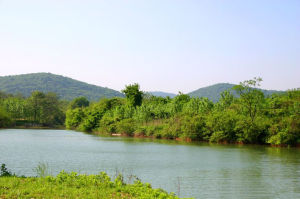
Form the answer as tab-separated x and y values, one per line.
250	118
72	185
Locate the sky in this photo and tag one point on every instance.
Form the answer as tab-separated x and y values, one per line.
164	45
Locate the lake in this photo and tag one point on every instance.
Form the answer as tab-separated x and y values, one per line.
199	170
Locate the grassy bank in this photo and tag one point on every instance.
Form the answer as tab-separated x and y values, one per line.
72	185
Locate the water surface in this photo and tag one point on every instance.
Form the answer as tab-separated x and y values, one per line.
190	170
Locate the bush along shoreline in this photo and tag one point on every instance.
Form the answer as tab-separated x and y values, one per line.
73	185
250	118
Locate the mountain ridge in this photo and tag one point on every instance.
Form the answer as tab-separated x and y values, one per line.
214	91
161	94
65	87
68	88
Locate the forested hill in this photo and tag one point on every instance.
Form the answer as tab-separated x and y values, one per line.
65	87
213	92
162	94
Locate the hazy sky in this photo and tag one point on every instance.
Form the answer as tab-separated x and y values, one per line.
167	45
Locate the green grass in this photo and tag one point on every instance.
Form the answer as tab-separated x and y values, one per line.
72	185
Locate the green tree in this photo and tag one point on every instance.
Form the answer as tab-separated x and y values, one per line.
251	98
35	104
79	102
179	101
284	113
252	124
133	94
45	109
5	119
221	125
16	107
74	117
226	99
51	114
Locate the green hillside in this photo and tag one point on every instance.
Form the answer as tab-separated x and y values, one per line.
65	87
213	92
162	94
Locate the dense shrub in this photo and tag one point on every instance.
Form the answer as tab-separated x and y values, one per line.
126	126
74	117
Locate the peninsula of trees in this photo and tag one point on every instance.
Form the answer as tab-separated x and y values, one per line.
248	117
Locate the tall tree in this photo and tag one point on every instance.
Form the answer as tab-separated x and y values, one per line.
250	97
79	102
252	125
133	94
45	109
5	119
35	104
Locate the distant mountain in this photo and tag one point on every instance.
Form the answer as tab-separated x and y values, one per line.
162	94
65	87
213	92
68	88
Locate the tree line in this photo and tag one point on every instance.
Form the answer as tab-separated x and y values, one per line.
250	118
40	109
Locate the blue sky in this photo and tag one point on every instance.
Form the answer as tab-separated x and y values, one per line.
167	45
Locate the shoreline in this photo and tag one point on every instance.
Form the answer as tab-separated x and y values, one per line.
188	140
74	185
184	140
37	127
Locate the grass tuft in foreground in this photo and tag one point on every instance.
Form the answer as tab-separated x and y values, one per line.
73	185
